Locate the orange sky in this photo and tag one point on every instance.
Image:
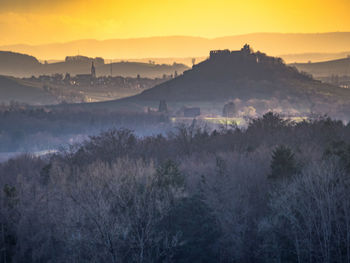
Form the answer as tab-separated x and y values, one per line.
46	21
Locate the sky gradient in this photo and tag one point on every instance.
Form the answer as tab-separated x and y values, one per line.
44	21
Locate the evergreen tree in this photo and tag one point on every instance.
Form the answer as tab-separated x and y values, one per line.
283	164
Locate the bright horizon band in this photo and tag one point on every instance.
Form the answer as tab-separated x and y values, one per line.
42	21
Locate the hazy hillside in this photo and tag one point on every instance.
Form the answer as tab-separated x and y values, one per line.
313	57
185	46
14	90
19	65
339	67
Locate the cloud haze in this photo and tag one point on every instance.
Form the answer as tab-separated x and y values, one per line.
30	5
45	21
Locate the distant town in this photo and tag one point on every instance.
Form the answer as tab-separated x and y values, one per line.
90	87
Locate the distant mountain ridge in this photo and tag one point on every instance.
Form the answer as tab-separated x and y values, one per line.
313	57
21	65
186	46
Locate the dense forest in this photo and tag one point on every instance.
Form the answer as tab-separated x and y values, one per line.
25	128
274	191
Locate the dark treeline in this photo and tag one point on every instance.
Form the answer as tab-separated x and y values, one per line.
276	191
24	128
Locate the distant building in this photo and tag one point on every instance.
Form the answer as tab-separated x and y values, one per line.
87	79
247	49
219	53
67	78
229	110
82	59
163	107
93	71
83	79
192	112
244	55
222	54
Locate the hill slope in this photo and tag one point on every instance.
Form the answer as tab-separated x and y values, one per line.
14	90
313	57
239	74
14	64
339	67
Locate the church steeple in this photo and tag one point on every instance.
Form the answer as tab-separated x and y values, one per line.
93	70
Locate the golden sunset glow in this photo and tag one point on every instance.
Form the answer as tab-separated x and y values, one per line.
42	21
